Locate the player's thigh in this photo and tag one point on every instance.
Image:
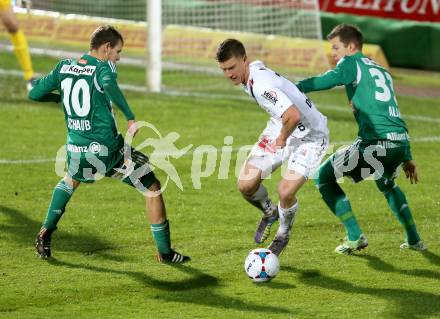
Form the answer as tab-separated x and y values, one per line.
249	178
132	167
373	161
82	168
265	160
348	161
392	162
305	157
8	18
5	4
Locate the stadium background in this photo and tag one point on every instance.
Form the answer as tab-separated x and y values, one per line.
407	31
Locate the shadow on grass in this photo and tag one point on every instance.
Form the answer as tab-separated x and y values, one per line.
433	258
403	303
198	289
21	229
277	285
377	264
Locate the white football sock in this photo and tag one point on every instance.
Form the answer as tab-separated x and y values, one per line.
287	217
262	197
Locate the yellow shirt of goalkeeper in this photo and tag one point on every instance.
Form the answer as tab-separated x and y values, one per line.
5	4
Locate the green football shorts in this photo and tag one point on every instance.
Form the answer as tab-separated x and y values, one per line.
126	164
362	159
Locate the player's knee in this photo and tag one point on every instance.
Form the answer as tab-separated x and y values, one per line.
73	183
326	174
154	186
13	28
385	185
11	25
247	188
286	193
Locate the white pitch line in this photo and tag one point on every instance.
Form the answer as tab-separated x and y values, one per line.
425	139
136	88
140	62
411	117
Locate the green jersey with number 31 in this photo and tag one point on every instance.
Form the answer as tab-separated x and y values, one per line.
87	87
369	88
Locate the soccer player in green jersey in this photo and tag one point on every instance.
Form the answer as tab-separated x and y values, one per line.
87	87
382	146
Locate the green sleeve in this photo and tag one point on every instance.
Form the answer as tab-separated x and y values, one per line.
107	79
42	90
343	74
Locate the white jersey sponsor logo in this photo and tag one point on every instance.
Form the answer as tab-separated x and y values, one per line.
271	96
78	69
77	148
393	136
93	147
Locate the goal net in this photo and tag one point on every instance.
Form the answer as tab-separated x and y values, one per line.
285	34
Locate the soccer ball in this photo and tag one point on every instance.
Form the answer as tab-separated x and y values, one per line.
261	265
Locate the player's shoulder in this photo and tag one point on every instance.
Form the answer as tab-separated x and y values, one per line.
61	65
258	69
369	62
357	58
63	62
262	76
347	60
107	66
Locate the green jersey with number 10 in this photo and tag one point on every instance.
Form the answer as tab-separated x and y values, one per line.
87	87
369	88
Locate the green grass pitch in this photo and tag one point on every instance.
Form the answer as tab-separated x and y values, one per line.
103	265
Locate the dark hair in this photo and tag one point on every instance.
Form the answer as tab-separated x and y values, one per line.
230	48
348	33
104	34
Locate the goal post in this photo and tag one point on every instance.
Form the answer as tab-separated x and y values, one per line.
154	65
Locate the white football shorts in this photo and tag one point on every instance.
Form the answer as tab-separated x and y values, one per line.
303	155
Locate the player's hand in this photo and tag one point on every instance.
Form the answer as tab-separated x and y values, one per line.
410	170
279	143
132	128
267	145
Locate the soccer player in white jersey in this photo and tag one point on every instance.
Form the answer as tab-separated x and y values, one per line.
296	132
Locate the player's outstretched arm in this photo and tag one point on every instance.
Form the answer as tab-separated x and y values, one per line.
113	92
290	119
410	170
344	73
107	78
42	90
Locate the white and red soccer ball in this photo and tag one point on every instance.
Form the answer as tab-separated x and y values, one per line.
261	265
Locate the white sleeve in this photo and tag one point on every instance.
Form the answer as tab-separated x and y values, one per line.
273	100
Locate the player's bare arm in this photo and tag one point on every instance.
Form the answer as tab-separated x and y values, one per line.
290	120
